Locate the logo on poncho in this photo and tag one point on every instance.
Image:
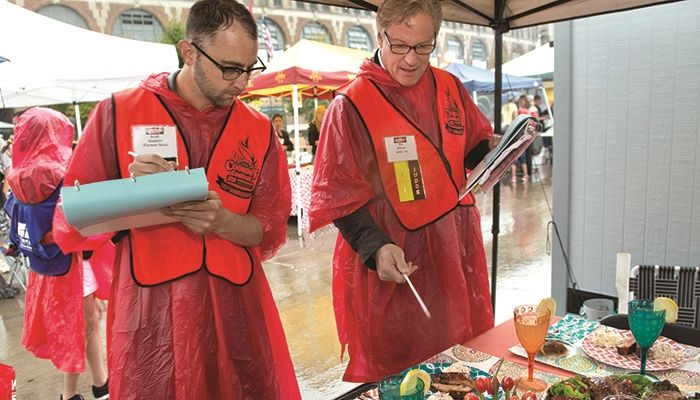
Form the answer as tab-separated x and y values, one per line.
453	118
241	172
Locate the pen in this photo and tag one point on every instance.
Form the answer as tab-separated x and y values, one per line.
415	293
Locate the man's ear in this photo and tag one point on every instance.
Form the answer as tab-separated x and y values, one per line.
187	52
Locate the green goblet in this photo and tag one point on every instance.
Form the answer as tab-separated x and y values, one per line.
646	325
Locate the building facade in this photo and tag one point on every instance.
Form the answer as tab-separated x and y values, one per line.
287	21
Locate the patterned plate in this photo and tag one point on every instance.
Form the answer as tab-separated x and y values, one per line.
611	357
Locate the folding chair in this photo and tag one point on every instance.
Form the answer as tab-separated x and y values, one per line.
682	284
19	266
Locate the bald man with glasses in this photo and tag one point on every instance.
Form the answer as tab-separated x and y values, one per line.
394	151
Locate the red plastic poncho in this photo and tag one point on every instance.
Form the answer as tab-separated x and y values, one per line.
53	317
381	323
198	337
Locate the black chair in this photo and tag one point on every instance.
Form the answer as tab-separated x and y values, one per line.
679	333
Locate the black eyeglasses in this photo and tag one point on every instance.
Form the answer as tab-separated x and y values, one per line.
233	73
422	49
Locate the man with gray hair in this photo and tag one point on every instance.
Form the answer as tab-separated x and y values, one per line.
394	149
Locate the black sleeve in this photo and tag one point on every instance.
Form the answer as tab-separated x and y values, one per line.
313	134
477	154
363	235
288	142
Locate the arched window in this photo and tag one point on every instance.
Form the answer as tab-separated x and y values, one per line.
479	51
63	14
139	25
455	48
317	32
276	34
358	38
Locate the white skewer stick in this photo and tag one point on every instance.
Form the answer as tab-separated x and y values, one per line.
415	293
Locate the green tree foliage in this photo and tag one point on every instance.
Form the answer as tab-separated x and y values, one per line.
173	33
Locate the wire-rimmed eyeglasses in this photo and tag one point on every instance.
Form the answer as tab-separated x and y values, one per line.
422	49
232	73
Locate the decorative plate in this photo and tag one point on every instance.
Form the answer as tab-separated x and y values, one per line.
632	362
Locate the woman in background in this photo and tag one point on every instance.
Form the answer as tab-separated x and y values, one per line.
315	128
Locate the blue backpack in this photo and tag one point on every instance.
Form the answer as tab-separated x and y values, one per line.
29	223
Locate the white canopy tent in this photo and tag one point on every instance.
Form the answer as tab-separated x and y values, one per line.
50	62
536	63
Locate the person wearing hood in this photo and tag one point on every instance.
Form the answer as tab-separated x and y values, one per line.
402	135
62	315
191	313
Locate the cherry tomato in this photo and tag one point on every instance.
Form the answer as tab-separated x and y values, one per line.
494	385
483	384
471	396
507	383
528	396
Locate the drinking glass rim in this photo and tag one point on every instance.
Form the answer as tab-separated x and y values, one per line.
529	308
643	305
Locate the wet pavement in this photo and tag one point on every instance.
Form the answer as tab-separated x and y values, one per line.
300	278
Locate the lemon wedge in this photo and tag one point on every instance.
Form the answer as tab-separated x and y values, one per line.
410	381
668	305
547	304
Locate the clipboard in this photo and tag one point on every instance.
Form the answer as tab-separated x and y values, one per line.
119	204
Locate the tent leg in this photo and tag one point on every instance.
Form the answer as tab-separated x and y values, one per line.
78	122
498	99
297	157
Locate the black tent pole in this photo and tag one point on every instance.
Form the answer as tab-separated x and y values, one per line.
497	97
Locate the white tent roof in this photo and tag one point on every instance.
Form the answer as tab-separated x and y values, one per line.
51	62
538	62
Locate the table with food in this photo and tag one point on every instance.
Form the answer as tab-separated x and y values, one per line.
538	356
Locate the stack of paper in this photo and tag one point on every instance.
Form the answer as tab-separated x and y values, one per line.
521	133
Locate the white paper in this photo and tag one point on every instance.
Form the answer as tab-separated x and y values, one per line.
401	148
155	139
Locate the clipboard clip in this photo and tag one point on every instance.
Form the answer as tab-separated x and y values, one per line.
76	184
133	177
187	169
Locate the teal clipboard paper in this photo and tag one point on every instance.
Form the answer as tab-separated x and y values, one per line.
120	204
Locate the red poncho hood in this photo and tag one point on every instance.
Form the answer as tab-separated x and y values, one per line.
42	146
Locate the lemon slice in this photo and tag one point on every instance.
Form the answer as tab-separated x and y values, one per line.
410	381
547	304
670	306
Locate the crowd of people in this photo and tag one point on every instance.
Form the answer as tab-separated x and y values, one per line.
191	315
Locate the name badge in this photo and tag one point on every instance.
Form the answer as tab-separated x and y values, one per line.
401	148
155	139
401	151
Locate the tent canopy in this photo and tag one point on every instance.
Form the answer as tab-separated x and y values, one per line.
536	63
480	80
51	62
511	14
316	68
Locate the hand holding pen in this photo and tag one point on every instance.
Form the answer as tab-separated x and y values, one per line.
145	164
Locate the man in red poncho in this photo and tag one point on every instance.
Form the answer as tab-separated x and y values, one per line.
62	315
204	334
393	152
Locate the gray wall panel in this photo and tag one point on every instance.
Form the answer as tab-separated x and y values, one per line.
632	180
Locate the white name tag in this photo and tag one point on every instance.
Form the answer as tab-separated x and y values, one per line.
155	139
401	148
